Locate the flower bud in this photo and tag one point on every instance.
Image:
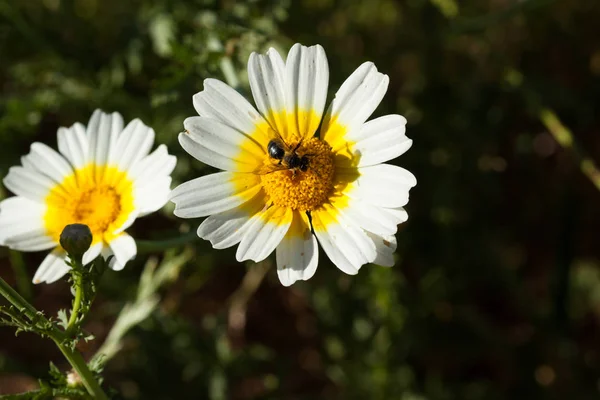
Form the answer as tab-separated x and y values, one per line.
76	239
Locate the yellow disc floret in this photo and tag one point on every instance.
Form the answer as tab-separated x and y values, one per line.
98	206
297	189
99	197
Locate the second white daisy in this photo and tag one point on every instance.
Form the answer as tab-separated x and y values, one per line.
283	188
104	177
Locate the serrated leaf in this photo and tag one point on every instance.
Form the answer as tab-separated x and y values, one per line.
63	319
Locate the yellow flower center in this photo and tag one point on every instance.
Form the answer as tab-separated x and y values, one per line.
297	189
99	197
97	207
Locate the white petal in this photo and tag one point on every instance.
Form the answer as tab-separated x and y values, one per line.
346	245
133	144
377	141
116	126
52	268
266	74
28	183
383	221
298	253
264	233
221	146
107	253
30	241
386	246
22	225
224	229
27	164
207	156
382	185
398	214
356	100
221	102
16	209
102	131
48	162
307	78
73	144
152	196
157	164
124	249
91	253
227	228
214	193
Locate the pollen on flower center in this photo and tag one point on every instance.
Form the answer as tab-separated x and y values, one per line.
97	207
99	197
301	190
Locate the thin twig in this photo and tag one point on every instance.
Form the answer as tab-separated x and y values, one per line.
147	299
566	140
238	302
23	281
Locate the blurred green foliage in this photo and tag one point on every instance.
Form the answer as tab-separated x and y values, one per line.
496	289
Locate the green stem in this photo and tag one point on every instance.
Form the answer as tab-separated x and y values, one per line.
76	306
18	301
149	246
23	280
74	358
80	366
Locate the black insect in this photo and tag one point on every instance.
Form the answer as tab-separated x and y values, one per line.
276	150
288	158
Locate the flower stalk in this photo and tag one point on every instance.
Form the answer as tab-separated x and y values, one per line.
18	301
76	306
80	366
37	319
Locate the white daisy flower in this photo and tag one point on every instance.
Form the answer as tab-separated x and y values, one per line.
104	177
293	176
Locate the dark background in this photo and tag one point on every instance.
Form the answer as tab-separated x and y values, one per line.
496	289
